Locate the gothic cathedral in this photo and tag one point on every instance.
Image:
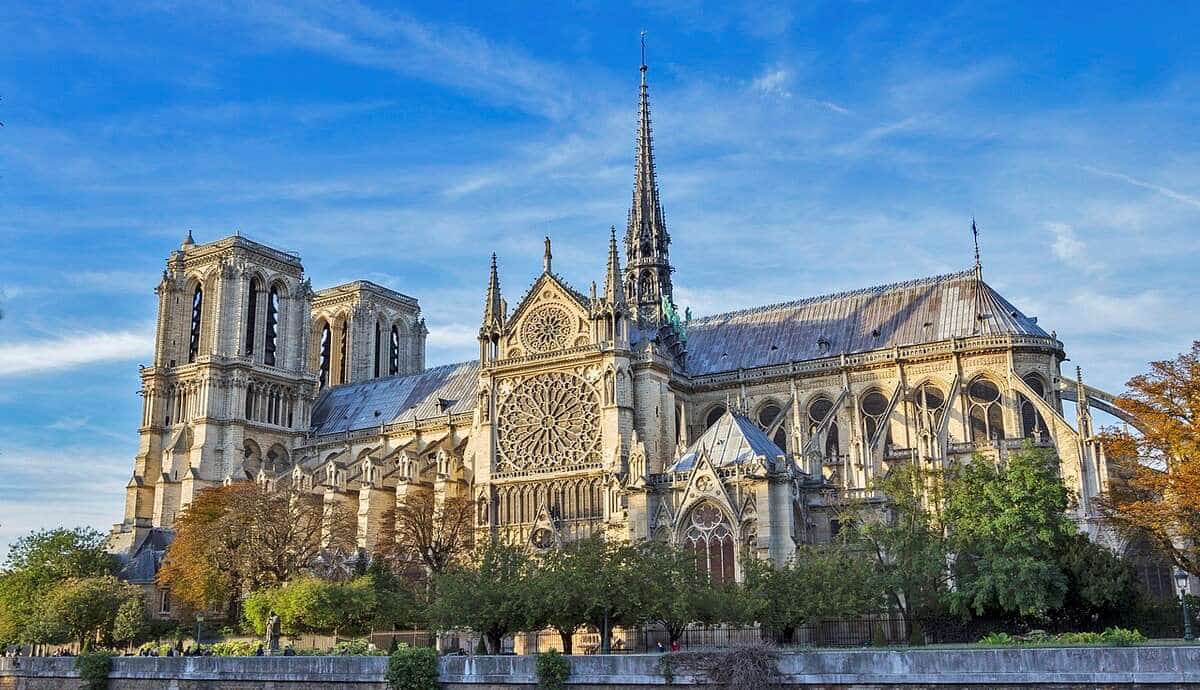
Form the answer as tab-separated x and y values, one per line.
601	413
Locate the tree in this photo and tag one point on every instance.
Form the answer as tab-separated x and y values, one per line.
1101	586
435	534
906	541
238	538
1156	492
36	563
129	625
613	582
554	598
829	580
486	595
677	593
309	604
83	609
1006	524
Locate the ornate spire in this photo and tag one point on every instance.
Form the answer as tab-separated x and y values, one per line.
493	311
648	273
547	256
613	293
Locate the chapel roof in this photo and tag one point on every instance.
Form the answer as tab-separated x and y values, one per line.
733	440
924	310
435	392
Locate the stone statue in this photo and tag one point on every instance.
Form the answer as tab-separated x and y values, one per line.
273	633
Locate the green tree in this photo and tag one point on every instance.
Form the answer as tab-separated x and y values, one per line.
130	625
614	580
829	580
1101	586
83	609
309	604
38	562
1006	525
552	599
486	595
906	541
676	593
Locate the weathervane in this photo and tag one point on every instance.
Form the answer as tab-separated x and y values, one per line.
975	234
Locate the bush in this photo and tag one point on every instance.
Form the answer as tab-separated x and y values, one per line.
356	648
1114	637
236	648
1121	637
93	668
552	670
998	639
413	668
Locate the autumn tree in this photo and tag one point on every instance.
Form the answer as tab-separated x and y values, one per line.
1156	488
426	532
235	539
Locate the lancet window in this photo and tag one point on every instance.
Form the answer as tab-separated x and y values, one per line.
874	408
817	413
323	357
197	311
986	413
767	415
251	316
272	340
708	534
1032	423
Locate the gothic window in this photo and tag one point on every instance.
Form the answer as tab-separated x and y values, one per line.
249	401
818	411
378	342
272	340
323	357
197	309
342	338
1032	424
547	329
394	353
164	602
708	534
549	421
931	404
874	408
987	417
713	415
767	415
251	316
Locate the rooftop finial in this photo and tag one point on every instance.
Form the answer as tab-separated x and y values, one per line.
644	68
188	241
975	234
547	256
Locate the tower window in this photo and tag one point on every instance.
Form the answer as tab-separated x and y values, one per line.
251	315
323	361
378	339
342	337
272	343
197	309
394	353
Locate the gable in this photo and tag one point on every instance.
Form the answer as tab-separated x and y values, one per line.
551	317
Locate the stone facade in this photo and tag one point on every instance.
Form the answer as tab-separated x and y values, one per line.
601	413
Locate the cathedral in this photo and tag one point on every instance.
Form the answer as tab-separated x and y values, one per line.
603	411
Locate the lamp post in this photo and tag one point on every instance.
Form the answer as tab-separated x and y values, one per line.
1181	585
199	620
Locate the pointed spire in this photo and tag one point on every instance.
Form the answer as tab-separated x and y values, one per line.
613	292
547	256
648	272
493	311
978	263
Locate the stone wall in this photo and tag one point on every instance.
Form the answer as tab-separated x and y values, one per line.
994	669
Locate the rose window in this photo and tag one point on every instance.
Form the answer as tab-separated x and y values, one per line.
549	421
548	328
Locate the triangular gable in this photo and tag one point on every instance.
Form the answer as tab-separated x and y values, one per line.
704	484
734	440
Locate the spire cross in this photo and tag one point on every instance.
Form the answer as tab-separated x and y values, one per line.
643	57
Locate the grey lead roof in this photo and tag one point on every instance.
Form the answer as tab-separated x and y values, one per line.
436	392
918	311
733	440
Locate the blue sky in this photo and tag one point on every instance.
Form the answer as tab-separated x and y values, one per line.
802	149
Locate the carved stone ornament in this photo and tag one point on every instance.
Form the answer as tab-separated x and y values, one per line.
549	421
546	329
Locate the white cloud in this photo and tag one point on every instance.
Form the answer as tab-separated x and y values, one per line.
773	82
1070	249
67	352
1188	199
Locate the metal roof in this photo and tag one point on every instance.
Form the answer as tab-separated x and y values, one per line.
436	392
918	311
733	440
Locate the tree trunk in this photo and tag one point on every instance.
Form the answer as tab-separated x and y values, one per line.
565	637
605	636
495	642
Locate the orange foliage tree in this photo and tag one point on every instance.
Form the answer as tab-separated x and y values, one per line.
424	536
1156	490
235	539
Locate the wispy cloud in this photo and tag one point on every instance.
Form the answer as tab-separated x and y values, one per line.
1181	197
773	82
67	352
1070	249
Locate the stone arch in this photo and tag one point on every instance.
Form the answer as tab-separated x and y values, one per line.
712	414
766	414
817	410
873	408
985	409
277	458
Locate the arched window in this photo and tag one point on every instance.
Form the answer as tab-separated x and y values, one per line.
767	415
874	408
272	343
197	310
378	342
713	415
251	315
342	338
931	403
323	361
1032	424
708	534
394	352
817	412
250	391
987	417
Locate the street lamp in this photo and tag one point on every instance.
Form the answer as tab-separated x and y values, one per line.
199	620
1181	586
